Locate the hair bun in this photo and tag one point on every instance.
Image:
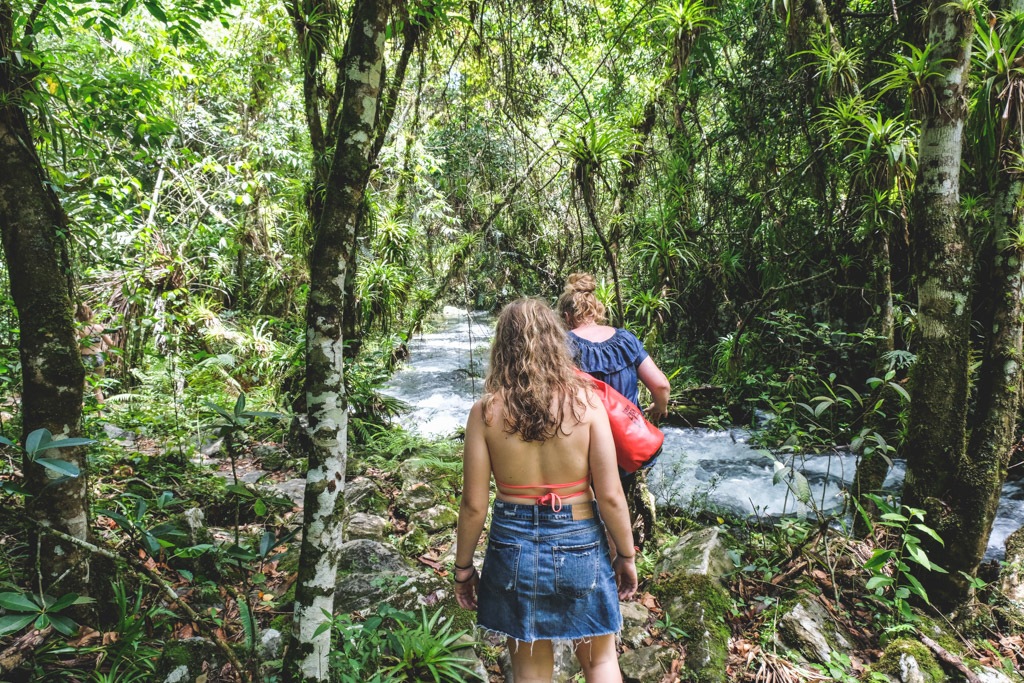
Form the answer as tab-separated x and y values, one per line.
581	282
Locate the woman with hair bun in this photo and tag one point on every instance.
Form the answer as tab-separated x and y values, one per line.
615	356
547	572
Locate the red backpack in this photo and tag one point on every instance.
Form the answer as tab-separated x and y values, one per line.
636	439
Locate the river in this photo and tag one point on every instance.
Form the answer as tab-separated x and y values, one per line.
699	468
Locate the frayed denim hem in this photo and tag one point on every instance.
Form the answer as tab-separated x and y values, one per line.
575	641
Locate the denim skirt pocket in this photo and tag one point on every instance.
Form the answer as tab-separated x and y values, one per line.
576	568
501	565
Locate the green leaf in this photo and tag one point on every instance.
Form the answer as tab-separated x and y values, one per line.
68	469
14	623
919	556
156	10
8	487
894	517
802	490
879	559
18	602
240	405
7	442
267	543
62	602
900	390
64	443
37	438
878	581
916	588
928	530
240	490
63	624
822	407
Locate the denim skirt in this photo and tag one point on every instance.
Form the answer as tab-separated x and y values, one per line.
547	575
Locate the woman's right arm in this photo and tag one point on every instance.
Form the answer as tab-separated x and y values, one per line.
608	489
476	482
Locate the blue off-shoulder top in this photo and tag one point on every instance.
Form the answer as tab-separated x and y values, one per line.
613	361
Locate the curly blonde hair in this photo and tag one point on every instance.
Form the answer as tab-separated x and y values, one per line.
532	372
578	303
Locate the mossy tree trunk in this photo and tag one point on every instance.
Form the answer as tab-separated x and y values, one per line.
943	269
360	80
984	469
34	228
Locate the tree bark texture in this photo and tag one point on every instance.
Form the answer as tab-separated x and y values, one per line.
361	78
998	389
936	447
33	229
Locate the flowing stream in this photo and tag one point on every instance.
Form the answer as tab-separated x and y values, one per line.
702	468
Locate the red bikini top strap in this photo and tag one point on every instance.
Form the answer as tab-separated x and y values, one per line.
584	480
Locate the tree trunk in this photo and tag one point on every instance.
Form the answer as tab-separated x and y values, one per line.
33	227
998	392
998	389
938	411
362	70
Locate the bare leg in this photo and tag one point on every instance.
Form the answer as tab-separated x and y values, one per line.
599	659
532	662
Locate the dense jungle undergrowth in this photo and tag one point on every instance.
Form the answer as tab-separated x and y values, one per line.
194	492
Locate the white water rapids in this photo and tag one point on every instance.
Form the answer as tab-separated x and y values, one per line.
702	468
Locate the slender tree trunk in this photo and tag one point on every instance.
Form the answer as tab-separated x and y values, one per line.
33	229
362	73
589	204
938	411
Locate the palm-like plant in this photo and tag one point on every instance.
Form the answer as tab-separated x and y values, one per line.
916	72
684	17
997	66
835	67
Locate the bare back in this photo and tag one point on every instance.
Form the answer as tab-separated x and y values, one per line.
559	460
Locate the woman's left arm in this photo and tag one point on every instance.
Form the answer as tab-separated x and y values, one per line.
656	381
476	480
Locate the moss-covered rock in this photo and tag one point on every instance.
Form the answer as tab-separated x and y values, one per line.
192	660
701	551
908	661
415	541
1011	577
698	604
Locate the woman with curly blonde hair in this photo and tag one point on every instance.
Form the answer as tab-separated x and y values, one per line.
547	572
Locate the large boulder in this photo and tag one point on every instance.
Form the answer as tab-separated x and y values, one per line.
362	494
694	598
363	525
646	664
807	628
634	623
370	573
417	497
437	518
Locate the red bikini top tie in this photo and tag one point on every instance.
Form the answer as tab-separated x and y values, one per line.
550	498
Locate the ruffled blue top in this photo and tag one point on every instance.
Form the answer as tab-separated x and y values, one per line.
613	361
